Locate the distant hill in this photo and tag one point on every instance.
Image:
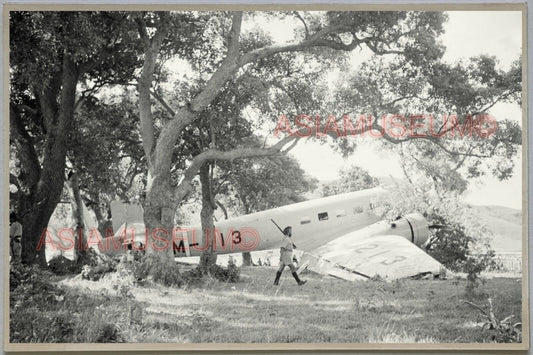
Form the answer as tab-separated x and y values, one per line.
505	223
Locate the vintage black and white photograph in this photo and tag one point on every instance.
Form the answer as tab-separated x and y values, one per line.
274	176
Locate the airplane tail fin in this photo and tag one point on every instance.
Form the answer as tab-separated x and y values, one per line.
125	213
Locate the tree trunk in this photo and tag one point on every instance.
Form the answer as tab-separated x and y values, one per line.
208	258
77	212
47	192
246	256
247	259
103	222
34	225
159	213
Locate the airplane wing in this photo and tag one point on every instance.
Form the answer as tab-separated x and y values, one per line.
353	257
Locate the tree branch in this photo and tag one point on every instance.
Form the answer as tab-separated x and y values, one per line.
25	150
233	37
163	103
223	208
299	17
145	81
143	33
460	163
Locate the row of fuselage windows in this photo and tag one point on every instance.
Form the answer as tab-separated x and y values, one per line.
323	216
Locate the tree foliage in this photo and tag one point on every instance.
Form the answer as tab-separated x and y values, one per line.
264	183
107	153
47	64
444	97
351	179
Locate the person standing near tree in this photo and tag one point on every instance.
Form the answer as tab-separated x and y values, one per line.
285	257
15	237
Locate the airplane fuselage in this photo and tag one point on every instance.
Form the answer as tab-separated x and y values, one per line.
313	223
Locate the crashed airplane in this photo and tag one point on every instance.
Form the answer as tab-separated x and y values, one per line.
340	236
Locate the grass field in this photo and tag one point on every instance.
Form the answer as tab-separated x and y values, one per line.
323	310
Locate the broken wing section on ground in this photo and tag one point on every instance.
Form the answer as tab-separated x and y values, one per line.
355	257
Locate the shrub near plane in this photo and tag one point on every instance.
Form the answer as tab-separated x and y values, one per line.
340	235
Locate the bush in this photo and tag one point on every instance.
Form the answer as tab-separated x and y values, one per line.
153	267
230	274
61	265
196	276
449	245
473	266
32	300
454	248
31	277
42	312
109	333
159	270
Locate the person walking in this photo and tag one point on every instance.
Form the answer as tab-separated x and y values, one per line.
285	257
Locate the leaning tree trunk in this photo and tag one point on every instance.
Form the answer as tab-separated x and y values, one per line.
208	258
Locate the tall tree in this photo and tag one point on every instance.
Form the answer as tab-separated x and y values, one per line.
382	32
47	64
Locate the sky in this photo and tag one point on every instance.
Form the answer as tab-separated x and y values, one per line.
468	33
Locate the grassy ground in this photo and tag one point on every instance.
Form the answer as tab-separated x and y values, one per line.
323	310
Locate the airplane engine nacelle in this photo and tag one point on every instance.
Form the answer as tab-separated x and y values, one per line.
413	227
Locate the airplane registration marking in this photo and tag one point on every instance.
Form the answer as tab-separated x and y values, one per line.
366	247
181	246
235	235
383	252
397	258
